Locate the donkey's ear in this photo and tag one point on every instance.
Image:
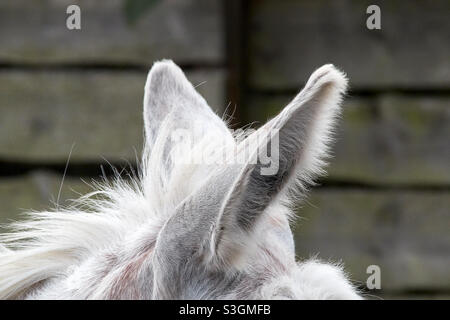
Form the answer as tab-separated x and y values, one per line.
298	139
171	101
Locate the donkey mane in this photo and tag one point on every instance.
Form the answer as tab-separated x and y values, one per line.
48	242
127	215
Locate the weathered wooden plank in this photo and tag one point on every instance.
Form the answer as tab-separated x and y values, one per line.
37	191
189	32
404	233
385	139
289	39
44	113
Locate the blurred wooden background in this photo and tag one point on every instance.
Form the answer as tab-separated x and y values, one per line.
386	200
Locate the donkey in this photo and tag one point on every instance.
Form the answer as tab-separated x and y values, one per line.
185	230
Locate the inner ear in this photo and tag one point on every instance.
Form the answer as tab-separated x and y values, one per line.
177	119
298	139
171	99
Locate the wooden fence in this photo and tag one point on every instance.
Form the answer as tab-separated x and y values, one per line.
386	200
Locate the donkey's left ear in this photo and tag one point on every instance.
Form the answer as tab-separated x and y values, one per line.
171	101
298	139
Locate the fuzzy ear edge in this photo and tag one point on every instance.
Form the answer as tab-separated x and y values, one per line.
304	129
169	94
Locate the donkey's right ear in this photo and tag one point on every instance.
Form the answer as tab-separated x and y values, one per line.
171	101
299	139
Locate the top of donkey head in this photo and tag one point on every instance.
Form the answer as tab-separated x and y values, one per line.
229	222
207	218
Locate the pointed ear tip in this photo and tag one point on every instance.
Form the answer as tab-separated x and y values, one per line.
330	74
163	68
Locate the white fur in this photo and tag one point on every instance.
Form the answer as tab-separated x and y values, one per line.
80	252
